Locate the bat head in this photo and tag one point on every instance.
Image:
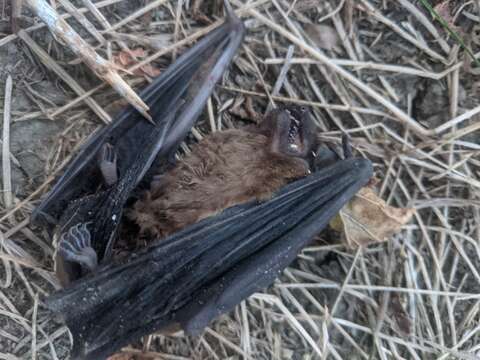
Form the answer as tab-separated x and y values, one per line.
291	130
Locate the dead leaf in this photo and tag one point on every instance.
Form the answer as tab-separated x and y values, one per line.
120	356
443	9
367	219
398	312
129	356
126	59
324	36
150	70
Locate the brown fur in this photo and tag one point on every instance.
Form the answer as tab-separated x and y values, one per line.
225	169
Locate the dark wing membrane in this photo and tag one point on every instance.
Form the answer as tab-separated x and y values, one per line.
175	98
206	269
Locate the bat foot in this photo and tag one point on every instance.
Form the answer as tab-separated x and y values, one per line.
75	246
108	164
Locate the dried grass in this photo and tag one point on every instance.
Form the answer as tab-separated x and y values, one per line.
353	307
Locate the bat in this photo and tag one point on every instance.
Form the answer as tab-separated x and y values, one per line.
203	270
176	99
227	168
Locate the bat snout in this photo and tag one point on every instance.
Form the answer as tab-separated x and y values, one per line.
293	131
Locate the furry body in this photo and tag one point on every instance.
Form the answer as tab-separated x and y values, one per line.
224	169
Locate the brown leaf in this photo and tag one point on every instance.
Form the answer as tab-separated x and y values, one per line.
126	59
120	356
400	315
443	9
138	52
324	36
367	219
150	70
123	58
130	356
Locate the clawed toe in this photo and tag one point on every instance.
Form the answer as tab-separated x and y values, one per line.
108	164
75	246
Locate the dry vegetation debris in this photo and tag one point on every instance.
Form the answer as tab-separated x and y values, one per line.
383	71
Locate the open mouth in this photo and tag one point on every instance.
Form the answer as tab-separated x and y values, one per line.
290	129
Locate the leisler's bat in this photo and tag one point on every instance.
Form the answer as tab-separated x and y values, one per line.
217	229
175	98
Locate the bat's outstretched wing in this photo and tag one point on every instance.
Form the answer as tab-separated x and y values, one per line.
175	98
206	269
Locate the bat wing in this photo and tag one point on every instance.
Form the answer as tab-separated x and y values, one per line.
206	269
175	98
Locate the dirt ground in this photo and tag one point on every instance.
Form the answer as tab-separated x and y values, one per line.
385	71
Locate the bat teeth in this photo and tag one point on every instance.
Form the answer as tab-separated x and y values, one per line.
295	121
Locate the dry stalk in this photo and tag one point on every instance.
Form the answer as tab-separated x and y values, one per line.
103	68
7	172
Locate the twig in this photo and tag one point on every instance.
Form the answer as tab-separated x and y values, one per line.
5	40
7	266
369	8
425	22
34	327
402	116
82	19
103	68
282	76
450	30
6	166
360	65
96	13
16	10
52	65
136	14
322	105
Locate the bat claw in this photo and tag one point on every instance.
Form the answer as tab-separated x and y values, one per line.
347	147
108	164
75	246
